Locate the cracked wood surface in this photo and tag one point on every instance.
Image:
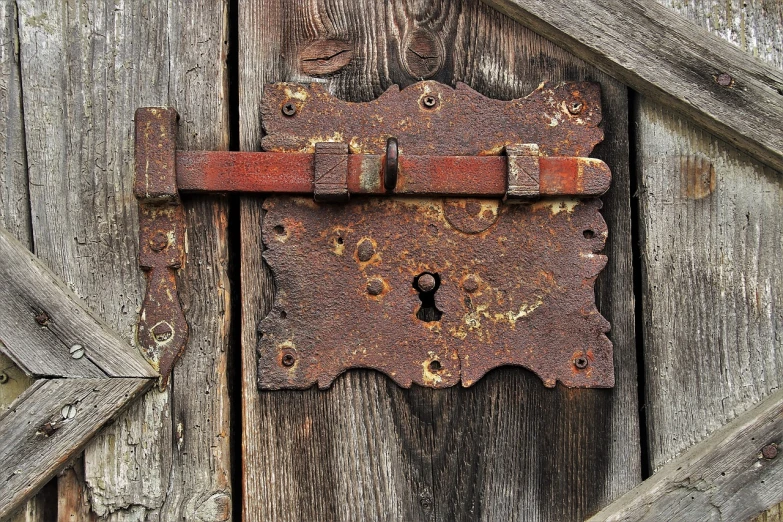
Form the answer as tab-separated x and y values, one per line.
85	68
483	453
50	423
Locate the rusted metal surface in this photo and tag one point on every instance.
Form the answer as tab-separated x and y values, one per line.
155	149
162	330
433	293
524	171
292	173
330	177
432	118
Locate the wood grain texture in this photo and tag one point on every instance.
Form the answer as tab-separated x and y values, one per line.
38	440
670	60
712	278
73	504
505	449
41	320
14	197
86	67
710	225
725	477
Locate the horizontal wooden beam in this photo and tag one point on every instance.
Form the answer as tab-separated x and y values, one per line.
658	53
734	474
49	424
48	331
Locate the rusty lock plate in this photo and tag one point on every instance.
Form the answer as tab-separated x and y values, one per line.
513	285
434	291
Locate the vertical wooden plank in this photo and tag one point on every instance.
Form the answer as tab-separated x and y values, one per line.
711	229
15	207
14	199
520	451
86	66
507	449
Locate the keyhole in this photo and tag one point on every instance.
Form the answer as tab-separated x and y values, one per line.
427	284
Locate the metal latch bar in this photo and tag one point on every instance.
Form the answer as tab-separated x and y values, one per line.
293	173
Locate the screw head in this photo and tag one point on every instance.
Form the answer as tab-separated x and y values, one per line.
724	79
3	377
426	282
68	411
159	241
429	101
289	109
575	107
435	366
76	351
581	362
375	286
42	318
365	250
288	360
770	451
470	284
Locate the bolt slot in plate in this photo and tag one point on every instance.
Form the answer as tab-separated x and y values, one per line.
513	290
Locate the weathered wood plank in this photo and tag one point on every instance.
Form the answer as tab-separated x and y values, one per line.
14	198
42	322
40	435
710	247
670	60
729	476
73	504
484	453
86	67
711	227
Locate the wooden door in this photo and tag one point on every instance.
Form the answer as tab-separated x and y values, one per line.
506	449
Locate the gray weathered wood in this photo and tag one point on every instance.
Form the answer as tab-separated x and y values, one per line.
41	321
38	440
14	198
86	67
724	477
710	227
502	450
670	60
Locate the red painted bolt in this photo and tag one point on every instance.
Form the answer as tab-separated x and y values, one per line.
770	451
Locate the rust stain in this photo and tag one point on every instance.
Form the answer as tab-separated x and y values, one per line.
697	176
